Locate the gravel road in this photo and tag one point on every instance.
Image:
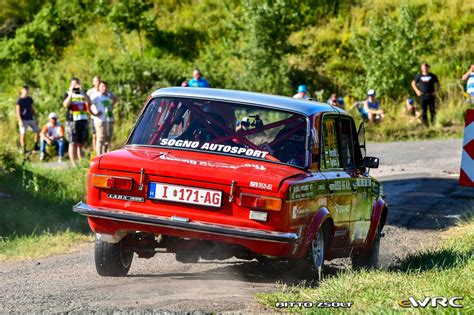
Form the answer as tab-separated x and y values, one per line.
418	178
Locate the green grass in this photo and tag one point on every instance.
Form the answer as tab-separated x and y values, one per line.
41	245
40	199
444	271
36	217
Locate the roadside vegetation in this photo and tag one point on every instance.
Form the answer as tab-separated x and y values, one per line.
39	245
344	46
447	270
36	218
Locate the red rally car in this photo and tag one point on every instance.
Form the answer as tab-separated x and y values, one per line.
212	174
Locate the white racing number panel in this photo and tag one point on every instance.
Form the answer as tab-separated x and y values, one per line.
185	194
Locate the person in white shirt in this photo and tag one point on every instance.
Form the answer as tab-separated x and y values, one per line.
302	92
93	93
469	78
52	134
102	115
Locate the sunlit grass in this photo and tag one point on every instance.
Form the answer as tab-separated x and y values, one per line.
41	245
444	271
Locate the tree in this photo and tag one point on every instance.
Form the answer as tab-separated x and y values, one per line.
268	24
390	52
132	15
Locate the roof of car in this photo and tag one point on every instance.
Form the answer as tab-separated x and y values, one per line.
272	101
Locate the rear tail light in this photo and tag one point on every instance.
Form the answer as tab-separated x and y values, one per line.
112	182
260	202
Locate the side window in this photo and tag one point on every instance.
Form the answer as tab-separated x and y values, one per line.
346	144
330	155
358	158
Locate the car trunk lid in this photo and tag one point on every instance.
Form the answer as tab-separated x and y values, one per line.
199	167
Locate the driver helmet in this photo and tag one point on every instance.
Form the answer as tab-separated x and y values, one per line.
223	111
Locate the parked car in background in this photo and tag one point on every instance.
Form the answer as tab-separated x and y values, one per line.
212	174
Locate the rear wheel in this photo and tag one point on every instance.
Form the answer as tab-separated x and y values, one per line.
369	260
317	253
111	260
312	265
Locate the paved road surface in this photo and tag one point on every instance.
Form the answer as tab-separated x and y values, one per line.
418	179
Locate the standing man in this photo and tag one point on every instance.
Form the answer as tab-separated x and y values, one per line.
198	80
52	134
93	93
77	104
469	77
103	118
25	113
301	92
426	85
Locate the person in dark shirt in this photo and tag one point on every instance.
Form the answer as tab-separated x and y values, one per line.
25	113
426	85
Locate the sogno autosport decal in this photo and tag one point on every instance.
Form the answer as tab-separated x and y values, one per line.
206	146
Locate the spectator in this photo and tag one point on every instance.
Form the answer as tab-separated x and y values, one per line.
332	100
301	92
103	118
52	134
426	85
359	106
25	112
469	77
93	93
197	81
411	110
372	108
77	104
341	103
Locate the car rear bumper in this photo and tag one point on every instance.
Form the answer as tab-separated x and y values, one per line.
185	224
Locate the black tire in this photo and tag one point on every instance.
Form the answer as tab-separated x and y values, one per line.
369	260
111	260
312	265
317	253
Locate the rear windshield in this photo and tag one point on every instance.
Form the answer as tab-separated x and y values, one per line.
223	128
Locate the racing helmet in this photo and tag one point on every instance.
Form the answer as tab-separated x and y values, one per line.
225	113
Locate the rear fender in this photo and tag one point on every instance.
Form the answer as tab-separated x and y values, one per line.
376	219
317	221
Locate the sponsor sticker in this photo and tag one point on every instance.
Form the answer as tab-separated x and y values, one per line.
261	185
302	191
215	147
363	182
299	211
126	197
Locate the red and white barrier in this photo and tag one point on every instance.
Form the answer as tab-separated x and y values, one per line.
466	177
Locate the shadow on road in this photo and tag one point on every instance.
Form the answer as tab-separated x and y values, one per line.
425	203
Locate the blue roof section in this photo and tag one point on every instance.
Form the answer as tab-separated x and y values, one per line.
273	101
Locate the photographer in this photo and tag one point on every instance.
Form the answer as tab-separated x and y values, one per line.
77	104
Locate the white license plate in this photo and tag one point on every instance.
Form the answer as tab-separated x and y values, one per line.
185	194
